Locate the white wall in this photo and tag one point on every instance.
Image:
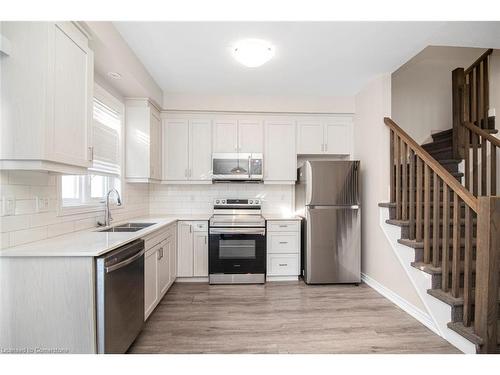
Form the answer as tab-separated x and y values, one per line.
198	199
371	147
27	225
421	90
262	103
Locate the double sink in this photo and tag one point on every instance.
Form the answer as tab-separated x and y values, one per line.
127	227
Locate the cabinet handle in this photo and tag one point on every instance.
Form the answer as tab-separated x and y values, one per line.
283	242
190	229
91	153
322	146
160	253
326	146
284	226
283	264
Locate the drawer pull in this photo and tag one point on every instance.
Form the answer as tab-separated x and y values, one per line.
283	242
283	264
283	226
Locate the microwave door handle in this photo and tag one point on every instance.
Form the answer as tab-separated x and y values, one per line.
249	166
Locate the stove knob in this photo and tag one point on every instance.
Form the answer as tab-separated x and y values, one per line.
223	201
256	202
217	201
251	202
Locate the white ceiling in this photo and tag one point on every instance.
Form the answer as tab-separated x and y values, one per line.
312	58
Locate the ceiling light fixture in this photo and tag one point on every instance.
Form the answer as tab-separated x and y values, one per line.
115	75
253	52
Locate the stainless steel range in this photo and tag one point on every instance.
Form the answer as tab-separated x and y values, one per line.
237	246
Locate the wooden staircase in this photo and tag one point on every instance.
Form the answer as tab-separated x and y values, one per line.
451	219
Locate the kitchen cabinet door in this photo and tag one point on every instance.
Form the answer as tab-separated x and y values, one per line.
172	248
200	150
155	147
163	268
176	150
225	136
250	136
338	138
185	250
200	251
151	294
280	157
310	137
73	91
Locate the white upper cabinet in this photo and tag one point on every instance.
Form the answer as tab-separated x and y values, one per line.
187	156
225	137
234	135
250	136
143	141
280	156
332	135
310	137
46	98
200	150
338	136
175	149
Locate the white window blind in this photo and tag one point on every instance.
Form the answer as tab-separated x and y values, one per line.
106	140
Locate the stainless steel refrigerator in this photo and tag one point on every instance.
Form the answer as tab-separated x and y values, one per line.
327	196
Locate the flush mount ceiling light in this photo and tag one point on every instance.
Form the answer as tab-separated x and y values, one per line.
253	52
114	75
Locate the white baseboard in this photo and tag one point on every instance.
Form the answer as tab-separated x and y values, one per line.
409	308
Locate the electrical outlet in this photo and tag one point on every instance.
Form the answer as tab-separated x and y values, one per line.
8	206
42	204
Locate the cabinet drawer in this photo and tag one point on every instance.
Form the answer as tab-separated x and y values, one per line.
158	236
283	226
198	226
283	264
282	242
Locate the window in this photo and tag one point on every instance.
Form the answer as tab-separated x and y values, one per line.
89	190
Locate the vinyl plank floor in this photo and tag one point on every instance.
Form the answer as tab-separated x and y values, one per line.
288	317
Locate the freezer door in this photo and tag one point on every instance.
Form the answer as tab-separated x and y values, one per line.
332	182
333	245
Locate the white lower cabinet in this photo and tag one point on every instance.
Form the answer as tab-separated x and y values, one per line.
151	294
283	249
159	266
192	249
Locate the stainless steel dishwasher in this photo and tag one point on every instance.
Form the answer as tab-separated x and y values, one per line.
120	297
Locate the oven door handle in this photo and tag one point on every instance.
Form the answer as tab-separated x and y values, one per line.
259	231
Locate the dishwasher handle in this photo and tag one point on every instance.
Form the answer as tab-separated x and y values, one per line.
125	262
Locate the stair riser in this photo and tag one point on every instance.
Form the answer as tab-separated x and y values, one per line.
442	136
405	231
392	212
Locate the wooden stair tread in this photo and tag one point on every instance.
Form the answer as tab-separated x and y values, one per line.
468	333
431	270
447	298
420	245
405	223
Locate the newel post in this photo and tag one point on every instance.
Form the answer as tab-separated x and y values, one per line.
457	86
487	272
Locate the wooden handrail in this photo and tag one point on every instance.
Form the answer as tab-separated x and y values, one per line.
495	141
478	61
446	176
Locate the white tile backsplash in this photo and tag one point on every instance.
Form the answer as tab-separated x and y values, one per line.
27	225
198	199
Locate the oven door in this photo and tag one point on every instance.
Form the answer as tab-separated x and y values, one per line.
237	251
231	166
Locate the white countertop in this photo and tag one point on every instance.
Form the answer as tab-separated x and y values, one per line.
90	242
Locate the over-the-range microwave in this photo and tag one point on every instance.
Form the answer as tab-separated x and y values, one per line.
237	167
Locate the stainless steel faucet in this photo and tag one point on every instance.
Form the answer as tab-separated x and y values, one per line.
107	216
